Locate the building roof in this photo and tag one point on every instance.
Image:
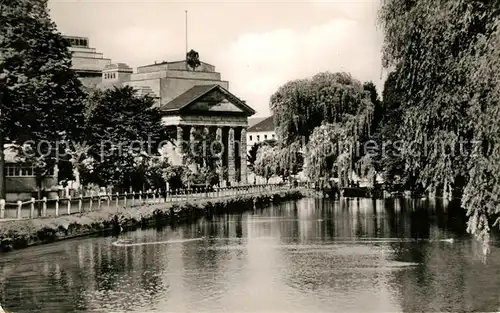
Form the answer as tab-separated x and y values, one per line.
199	91
267	125
168	62
118	66
254	120
187	97
145	90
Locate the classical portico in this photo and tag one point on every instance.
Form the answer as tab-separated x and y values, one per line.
213	110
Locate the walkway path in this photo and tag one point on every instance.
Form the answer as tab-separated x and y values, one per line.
115	203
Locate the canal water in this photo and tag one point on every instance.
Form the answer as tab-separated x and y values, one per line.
313	255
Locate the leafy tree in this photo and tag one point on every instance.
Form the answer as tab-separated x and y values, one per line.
331	149
300	106
289	160
446	56
123	130
390	161
155	171
278	161
265	164
252	154
173	175
41	97
378	111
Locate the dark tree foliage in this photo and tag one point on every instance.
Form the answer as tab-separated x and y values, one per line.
193	59
378	111
391	162
300	106
123	131
41	97
173	175
447	60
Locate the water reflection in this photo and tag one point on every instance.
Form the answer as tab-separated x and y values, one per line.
310	255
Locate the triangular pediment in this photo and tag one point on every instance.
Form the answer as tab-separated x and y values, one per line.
209	105
207	98
218	100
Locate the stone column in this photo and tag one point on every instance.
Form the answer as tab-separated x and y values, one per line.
206	145
230	156
243	155
192	146
179	142
192	130
218	138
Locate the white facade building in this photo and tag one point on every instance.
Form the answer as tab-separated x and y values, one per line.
261	131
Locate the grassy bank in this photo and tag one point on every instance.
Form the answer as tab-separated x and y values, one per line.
18	234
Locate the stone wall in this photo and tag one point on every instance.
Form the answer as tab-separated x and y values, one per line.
177	66
89	64
194	75
148	76
154	84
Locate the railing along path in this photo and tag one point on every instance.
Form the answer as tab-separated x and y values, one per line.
67	206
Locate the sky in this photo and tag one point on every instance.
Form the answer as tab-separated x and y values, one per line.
257	46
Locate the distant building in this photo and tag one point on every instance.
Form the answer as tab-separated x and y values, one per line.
87	62
261	131
20	179
189	99
255	120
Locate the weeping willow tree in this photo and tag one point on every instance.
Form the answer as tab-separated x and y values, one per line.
326	108
288	161
447	55
265	164
300	106
336	149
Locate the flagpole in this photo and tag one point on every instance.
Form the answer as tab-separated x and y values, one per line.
186	32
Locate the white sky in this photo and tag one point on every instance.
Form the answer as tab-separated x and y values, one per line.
257	46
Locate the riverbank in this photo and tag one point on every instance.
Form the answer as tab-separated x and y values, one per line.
19	234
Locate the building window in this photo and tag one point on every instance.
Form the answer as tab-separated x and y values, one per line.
265	137
250	138
258	138
272	135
